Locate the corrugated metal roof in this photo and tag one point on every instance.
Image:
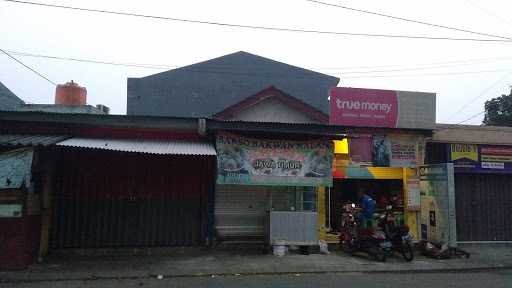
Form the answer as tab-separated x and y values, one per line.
30	140
176	147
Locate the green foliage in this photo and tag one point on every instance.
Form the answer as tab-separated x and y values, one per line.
498	111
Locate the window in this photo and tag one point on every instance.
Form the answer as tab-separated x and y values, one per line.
294	199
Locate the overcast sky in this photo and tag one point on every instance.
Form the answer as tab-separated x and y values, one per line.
486	67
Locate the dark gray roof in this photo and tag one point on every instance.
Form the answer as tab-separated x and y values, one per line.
22	140
203	89
8	100
52	108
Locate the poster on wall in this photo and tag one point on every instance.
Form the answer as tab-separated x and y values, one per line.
397	150
249	161
438	204
413	193
404	150
381	151
360	150
15	168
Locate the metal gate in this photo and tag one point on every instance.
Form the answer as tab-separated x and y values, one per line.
241	212
115	199
484	207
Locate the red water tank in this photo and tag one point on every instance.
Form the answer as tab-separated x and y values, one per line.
70	94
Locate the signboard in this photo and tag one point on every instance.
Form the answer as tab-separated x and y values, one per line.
382	108
495	159
481	158
15	168
464	156
249	161
438	204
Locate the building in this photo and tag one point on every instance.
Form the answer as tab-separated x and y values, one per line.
207	88
482	157
8	100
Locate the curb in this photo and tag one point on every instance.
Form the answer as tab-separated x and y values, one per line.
201	275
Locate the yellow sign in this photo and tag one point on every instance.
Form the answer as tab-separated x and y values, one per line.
464	151
341	146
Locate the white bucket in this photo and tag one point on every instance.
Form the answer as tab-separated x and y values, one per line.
279	248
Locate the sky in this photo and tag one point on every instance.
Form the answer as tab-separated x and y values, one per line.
463	74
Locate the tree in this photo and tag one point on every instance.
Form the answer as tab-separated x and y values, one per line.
498	111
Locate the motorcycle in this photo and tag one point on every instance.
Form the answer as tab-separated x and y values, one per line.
397	235
354	239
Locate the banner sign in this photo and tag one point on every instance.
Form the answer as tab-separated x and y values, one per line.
15	168
481	158
381	108
437	190
249	161
396	150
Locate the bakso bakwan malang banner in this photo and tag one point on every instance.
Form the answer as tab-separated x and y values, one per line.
382	108
250	161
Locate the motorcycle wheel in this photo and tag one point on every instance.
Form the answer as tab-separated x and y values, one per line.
407	252
378	254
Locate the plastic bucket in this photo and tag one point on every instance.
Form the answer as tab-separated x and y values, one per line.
279	248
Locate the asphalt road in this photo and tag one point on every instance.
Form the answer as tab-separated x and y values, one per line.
493	279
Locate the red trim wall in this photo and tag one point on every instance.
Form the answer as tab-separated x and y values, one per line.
272	92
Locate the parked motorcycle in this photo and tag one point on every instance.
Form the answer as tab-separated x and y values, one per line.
397	235
354	239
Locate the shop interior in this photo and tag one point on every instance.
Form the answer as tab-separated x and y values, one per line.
344	191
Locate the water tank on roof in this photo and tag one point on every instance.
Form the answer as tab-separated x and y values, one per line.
70	94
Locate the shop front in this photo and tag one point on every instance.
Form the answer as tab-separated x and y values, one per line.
482	176
382	159
267	189
131	192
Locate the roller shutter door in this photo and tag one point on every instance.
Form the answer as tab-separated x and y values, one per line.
484	207
241	212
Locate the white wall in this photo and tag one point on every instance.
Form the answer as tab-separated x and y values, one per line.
273	110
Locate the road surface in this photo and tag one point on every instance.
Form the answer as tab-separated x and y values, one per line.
489	279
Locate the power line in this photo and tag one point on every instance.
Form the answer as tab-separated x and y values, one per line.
408	20
426	74
487	89
257	27
469	61
489	12
28	67
94	61
470	118
409	69
227	68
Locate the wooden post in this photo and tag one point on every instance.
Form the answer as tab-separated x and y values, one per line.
46	204
320	204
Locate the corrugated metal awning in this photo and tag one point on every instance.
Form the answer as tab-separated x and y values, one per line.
176	147
21	140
